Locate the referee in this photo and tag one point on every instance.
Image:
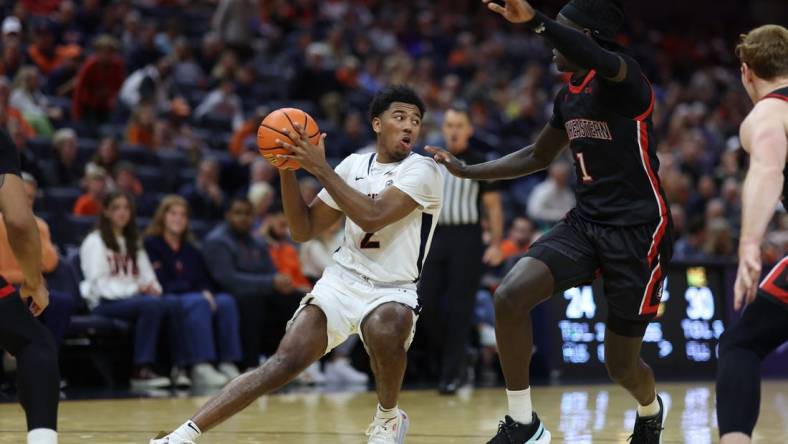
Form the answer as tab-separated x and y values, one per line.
451	275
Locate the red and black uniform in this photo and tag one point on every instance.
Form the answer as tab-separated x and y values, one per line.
621	226
775	285
762	328
38	380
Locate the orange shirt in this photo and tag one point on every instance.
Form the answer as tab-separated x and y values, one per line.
509	249
236	146
86	206
137	135
9	267
286	260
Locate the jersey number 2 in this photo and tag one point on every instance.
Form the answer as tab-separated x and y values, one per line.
367	242
580	160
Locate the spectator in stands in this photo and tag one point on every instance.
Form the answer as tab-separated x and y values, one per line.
12	57
61	304
186	71
521	236
9	115
243	145
98	82
222	103
61	81
183	276
231	22
210	51
309	188
205	196
28	98
690	246
242	266
149	84
125	177
283	252
317	254
143	48
120	283
107	154
95	184
43	52
261	195
552	199
64	170
142	126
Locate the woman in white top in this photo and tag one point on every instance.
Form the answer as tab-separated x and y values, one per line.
120	283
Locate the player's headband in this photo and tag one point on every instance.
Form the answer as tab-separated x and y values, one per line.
603	17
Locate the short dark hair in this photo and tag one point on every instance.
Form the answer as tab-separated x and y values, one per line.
395	93
238	199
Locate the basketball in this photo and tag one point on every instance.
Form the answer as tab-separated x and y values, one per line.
271	129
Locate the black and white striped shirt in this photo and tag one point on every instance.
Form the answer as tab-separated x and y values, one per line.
462	197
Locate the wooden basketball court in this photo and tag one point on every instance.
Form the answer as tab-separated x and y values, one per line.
574	414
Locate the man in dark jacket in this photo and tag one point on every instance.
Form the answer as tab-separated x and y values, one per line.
242	266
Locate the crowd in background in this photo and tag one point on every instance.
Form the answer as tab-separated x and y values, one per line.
143	101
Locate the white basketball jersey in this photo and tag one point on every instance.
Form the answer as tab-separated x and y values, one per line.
396	253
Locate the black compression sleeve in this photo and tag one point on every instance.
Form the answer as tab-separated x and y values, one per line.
577	47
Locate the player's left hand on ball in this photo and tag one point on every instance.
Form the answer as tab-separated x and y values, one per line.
312	157
748	275
516	11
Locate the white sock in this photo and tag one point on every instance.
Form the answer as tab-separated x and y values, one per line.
649	410
42	436
386	414
520	405
187	432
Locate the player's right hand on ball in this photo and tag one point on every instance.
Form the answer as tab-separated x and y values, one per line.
39	294
443	157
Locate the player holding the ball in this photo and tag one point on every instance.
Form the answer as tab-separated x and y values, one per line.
620	228
392	200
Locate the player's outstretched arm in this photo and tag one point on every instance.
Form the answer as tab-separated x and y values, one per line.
573	44
763	136
530	159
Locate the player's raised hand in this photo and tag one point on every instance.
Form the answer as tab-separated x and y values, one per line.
312	157
516	11
443	157
39	294
748	275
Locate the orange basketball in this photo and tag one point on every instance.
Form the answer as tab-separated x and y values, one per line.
271	129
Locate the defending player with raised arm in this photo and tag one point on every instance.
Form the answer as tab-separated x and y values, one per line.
392	200
763	53
38	379
620	226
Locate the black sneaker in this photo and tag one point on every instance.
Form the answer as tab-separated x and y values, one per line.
512	432
648	429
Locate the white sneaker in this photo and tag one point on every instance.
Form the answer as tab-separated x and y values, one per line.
340	371
229	370
169	440
390	431
179	378
204	375
312	375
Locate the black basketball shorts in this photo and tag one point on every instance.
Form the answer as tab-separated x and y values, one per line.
630	259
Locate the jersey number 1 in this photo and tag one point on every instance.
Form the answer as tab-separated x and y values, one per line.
586	178
367	242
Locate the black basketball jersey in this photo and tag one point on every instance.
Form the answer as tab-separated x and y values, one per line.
9	164
612	141
782	94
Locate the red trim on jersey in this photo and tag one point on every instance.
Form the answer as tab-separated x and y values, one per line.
659	233
577	89
775	96
770	287
650	105
6	291
646	305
